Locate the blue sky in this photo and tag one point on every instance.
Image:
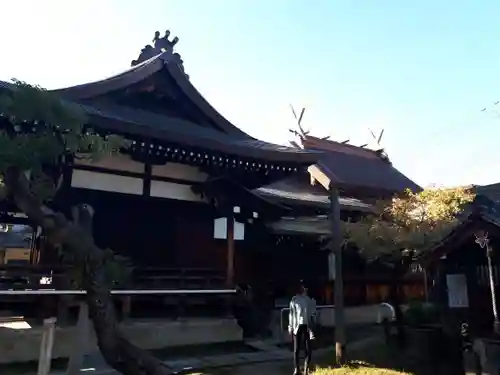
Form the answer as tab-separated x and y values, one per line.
421	71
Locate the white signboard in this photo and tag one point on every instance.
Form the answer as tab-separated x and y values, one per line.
220	229
239	231
457	291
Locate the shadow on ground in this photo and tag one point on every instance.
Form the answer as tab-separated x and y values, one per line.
374	359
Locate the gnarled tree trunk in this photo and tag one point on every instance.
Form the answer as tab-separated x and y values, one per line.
76	237
399	271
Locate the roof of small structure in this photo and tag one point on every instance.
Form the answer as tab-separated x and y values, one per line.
483	213
492	191
352	168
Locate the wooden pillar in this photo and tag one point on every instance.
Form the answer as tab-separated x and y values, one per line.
336	248
230	250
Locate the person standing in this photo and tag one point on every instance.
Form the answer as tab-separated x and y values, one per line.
301	321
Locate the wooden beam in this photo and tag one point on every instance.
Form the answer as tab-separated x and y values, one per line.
336	248
230	250
319	176
146	187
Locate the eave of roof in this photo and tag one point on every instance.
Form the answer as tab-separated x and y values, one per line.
307	225
160	127
290	192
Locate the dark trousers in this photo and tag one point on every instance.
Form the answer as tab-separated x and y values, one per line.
302	340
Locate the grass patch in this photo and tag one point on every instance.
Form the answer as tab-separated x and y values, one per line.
379	358
358	368
376	359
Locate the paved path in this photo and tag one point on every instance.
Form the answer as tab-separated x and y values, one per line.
281	367
265	353
266	362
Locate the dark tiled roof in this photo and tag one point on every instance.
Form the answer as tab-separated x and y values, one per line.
171	65
357	167
135	122
492	191
116	82
142	123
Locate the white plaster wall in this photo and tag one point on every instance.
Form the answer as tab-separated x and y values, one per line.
179	171
162	189
106	182
116	162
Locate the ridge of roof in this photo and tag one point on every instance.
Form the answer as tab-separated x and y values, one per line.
167	60
330	145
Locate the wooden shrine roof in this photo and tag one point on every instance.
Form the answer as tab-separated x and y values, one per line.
356	169
492	191
135	122
168	64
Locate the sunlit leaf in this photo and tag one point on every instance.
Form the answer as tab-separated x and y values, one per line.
413	221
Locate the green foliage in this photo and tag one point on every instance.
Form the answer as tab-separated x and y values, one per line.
414	221
39	130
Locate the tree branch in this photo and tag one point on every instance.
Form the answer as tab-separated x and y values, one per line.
116	349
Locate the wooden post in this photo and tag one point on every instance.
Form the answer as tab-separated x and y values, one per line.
336	248
80	340
46	346
496	322
230	250
126	307
426	285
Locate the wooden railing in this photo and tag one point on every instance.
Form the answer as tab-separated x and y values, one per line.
35	277
177	278
152	292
